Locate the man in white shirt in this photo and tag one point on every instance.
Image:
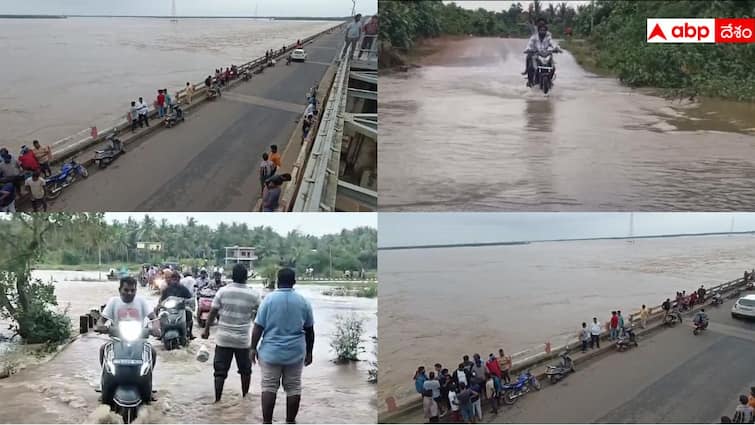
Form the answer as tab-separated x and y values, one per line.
595	330
353	34
36	185
143	111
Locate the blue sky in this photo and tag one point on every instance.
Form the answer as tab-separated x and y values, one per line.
189	7
403	229
316	224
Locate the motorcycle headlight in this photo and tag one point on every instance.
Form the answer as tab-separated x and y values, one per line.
130	330
170	304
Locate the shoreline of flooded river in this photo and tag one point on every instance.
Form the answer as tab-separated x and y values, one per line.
456	301
62	390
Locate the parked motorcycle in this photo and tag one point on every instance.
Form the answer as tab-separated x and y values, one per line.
627	339
557	372
204	305
524	384
174	117
112	151
672	317
68	173
716	300
213	91
126	381
246	75
173	325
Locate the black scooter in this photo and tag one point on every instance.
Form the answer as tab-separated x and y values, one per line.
174	117
126	381
557	372
626	340
113	150
173	326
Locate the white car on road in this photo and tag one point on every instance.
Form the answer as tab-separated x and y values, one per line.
299	55
744	307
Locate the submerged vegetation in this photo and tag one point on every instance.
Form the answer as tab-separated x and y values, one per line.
347	339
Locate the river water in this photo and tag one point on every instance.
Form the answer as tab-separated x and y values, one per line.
464	133
439	304
61	76
63	390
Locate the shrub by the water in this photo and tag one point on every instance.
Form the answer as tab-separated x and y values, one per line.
347	339
42	325
70	258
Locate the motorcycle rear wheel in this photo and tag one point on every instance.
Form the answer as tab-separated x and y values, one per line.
695	331
55	192
553	379
508	398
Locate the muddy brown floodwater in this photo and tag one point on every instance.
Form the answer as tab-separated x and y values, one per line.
63	389
463	133
438	304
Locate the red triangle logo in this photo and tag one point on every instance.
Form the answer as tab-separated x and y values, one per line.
657	32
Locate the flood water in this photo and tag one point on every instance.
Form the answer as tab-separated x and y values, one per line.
61	76
454	301
464	133
63	389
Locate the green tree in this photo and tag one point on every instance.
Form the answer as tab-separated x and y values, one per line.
26	302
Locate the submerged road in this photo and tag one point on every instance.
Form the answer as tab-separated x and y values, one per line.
210	162
62	390
672	377
464	133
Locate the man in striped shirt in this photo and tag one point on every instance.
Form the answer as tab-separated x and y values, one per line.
237	305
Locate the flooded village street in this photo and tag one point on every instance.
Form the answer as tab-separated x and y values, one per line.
63	389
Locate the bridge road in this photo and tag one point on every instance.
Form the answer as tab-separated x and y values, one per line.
672	377
210	162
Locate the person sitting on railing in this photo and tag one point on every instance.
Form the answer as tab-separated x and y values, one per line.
370	35
305	127
298	44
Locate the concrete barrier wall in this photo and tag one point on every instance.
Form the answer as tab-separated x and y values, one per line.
393	409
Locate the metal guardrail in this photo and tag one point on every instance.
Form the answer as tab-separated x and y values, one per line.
534	356
320	183
327	143
65	149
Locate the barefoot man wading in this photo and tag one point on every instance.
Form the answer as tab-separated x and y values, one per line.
285	324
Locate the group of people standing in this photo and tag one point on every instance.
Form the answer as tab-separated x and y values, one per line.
277	333
460	393
27	172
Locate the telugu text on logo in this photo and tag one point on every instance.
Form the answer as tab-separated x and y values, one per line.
700	30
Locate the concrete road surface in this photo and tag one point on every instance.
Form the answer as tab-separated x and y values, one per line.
210	162
672	377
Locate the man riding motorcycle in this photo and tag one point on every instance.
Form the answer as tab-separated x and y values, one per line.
701	319
127	306
542	41
203	279
175	289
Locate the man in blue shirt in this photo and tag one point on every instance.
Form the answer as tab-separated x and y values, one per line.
285	324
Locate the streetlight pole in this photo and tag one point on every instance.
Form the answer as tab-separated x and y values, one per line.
330	255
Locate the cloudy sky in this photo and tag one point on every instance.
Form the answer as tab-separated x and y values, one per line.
188	7
308	223
499	6
405	229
